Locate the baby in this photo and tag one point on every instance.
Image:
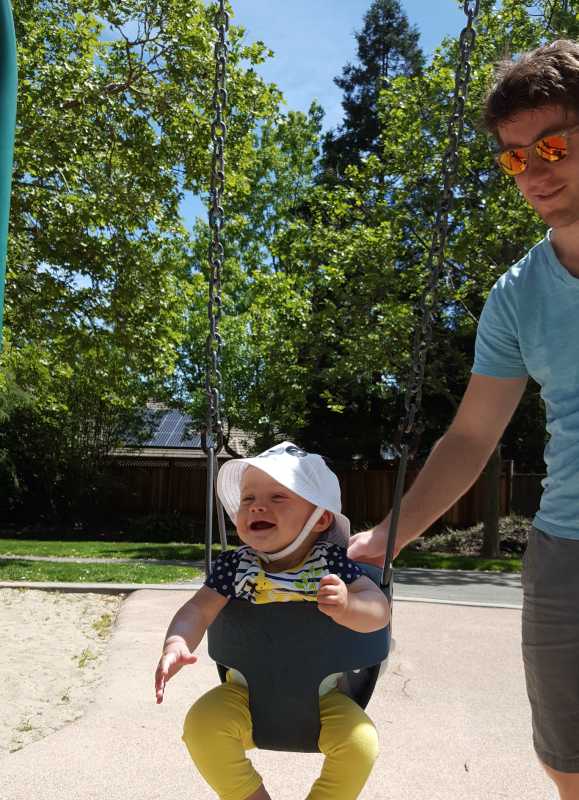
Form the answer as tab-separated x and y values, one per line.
286	506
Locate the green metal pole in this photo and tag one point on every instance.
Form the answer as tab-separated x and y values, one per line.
8	91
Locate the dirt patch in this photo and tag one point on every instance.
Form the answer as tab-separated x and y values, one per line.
53	656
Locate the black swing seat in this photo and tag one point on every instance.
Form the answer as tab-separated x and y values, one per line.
284	651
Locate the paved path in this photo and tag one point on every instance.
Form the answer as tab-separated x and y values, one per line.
451	712
496	590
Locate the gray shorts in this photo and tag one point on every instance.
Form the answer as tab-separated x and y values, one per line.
551	646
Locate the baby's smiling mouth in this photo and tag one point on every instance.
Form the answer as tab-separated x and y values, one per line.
261	525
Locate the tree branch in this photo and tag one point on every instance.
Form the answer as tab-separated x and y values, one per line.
441	388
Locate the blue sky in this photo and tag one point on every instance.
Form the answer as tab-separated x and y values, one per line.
312	41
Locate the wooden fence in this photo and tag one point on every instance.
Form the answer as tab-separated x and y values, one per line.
367	497
527	493
143	485
179	484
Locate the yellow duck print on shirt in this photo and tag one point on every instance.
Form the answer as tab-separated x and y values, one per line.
266	591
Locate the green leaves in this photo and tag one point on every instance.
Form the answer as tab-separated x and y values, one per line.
114	124
110	134
323	278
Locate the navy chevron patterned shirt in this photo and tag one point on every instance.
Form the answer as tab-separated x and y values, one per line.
240	573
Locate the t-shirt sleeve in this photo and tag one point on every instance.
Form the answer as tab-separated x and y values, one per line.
339	564
222	576
497	348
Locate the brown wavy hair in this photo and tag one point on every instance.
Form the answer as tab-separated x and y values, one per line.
546	76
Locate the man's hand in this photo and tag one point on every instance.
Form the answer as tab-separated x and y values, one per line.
333	597
175	657
370	546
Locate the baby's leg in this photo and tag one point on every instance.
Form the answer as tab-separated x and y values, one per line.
349	741
217	732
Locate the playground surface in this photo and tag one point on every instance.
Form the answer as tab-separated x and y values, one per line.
451	712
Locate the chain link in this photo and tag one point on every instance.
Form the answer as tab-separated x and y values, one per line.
429	298
216	224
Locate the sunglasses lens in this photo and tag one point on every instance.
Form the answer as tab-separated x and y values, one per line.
552	149
513	161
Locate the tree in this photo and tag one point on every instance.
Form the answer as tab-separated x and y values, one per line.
490	228
114	125
387	46
307	302
491	545
356	254
59	455
266	309
322	281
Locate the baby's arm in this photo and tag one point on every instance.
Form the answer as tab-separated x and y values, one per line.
360	606
185	632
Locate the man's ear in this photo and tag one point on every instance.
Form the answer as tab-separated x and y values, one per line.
324	521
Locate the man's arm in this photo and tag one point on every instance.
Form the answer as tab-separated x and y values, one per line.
453	466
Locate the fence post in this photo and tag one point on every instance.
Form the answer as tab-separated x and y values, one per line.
169	485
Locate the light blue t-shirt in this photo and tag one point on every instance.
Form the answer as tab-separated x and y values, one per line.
530	325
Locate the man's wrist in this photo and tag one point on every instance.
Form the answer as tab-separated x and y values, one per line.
405	537
381	532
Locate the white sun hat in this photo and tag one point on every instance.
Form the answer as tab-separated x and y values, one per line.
305	474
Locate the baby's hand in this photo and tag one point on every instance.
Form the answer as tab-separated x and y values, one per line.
173	659
333	597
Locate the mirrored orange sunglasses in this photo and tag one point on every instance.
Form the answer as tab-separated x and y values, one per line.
551	149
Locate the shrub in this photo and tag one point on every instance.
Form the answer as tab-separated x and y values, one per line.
514	532
161	528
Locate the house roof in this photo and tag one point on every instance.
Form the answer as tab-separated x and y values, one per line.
176	433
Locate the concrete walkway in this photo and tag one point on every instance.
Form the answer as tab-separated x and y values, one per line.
464	587
451	587
451	712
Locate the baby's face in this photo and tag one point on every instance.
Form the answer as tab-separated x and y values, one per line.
270	517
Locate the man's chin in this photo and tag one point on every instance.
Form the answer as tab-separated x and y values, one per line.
559	218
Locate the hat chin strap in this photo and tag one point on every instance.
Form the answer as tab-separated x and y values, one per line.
267	557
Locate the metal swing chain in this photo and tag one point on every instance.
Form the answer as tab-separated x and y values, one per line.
214	307
429	297
216	225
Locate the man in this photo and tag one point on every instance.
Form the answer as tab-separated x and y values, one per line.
529	326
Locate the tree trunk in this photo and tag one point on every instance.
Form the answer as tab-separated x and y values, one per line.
491	546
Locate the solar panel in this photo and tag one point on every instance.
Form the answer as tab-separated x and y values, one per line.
175	430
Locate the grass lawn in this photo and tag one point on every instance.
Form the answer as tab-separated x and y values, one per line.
93	573
169	552
446	561
184	552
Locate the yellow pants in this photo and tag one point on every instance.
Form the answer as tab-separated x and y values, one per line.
218	731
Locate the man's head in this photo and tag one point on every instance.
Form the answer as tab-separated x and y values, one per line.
547	76
535	96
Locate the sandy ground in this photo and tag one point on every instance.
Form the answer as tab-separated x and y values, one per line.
51	660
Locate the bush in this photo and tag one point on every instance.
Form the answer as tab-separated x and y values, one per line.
514	532
161	528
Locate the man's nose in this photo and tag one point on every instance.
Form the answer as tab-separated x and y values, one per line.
537	169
